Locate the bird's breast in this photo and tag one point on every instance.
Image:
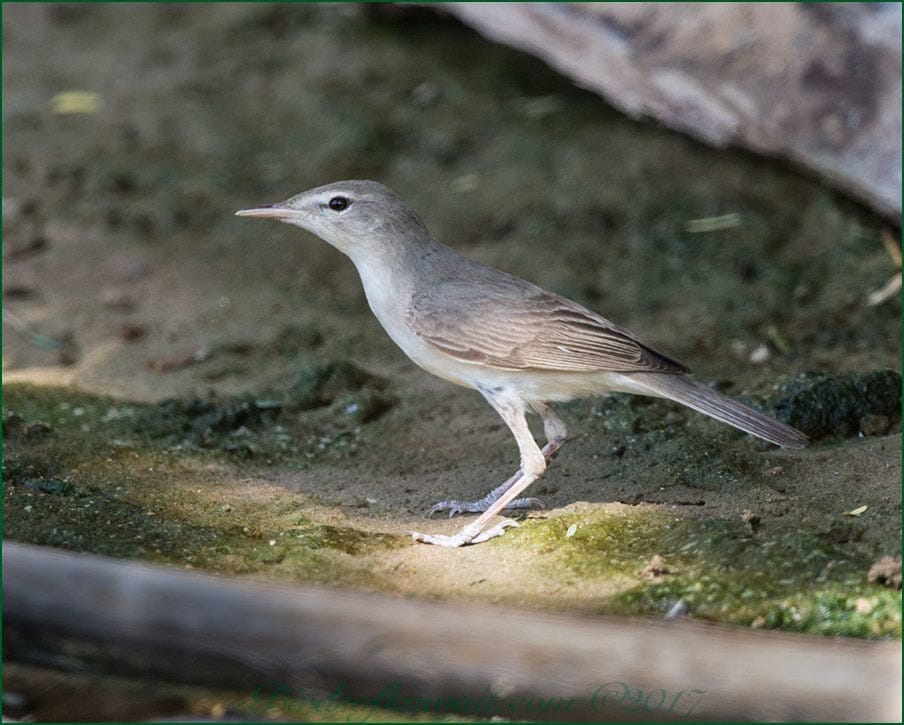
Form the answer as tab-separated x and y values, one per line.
389	295
425	355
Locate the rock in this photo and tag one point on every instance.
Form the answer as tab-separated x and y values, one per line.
887	571
212	423
320	385
751	519
15	428
655	568
823	405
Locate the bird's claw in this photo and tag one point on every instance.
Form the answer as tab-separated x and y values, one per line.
439	539
497	530
464	537
526	503
456	508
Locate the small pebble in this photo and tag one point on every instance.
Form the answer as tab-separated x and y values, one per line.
760	354
425	93
130	332
751	519
14	705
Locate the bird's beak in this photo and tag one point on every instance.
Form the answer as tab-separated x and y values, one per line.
272	211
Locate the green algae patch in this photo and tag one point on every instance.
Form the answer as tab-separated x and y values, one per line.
840	610
91	474
714	569
348	540
94	474
62	414
272	427
108	518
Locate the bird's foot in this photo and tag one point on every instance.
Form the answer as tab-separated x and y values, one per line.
478	507
464	537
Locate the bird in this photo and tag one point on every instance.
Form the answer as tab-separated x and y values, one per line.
521	347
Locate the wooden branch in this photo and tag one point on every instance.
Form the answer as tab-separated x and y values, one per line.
78	611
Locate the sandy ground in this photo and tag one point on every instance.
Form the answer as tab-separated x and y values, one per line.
121	247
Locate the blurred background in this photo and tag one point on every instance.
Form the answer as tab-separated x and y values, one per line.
118	211
219	392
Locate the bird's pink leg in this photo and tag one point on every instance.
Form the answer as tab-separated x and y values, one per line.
477	507
504	496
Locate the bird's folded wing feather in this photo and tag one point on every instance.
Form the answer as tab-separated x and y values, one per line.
522	327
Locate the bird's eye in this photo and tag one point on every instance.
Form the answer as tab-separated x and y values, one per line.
338	203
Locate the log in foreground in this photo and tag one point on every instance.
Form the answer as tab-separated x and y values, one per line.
83	611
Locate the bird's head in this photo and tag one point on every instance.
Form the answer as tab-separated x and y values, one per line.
357	217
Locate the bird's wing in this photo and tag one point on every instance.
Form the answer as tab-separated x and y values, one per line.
519	326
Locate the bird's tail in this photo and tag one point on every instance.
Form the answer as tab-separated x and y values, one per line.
703	399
